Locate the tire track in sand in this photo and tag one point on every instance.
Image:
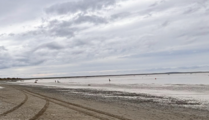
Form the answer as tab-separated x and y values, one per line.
41	111
23	102
16	107
77	107
66	106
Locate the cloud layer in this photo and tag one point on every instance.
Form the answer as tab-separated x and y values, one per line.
79	37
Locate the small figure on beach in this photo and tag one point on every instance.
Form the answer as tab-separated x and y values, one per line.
109	80
55	81
36	81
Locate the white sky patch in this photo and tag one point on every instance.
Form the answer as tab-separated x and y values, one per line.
20	28
133	4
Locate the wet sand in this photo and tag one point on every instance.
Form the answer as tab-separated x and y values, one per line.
39	102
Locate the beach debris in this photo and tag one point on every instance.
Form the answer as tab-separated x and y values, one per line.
89	84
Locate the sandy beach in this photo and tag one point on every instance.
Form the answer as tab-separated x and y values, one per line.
23	102
30	101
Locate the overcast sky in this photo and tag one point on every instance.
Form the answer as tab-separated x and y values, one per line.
91	37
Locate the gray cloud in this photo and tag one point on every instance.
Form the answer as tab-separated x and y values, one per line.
121	15
50	46
91	19
20	11
2	48
64	28
79	6
185	7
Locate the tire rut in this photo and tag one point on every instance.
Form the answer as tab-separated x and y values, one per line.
63	103
16	107
76	109
41	111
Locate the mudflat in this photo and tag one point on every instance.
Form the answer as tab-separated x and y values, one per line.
22	102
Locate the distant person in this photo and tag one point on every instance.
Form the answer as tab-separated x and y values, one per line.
109	80
55	81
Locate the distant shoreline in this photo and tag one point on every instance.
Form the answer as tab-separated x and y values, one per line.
114	75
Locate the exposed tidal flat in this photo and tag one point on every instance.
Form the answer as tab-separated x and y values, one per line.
133	97
190	86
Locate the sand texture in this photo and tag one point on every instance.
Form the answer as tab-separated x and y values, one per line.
21	102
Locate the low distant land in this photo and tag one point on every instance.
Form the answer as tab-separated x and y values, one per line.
116	75
15	79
